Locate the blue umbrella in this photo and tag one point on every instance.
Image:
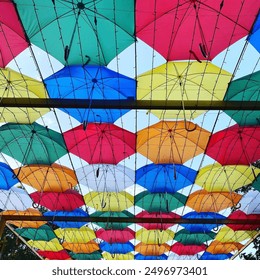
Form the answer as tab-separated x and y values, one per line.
209	256
160	178
142	257
117	248
201	227
7	177
254	37
87	83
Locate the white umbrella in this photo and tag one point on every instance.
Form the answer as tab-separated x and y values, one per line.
250	202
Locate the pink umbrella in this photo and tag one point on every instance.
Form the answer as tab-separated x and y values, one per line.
116	236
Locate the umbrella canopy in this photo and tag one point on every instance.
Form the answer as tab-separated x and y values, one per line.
217	247
31	143
179	80
12	37
79	32
16	85
42	233
159	178
182	249
82	256
253	38
193	238
75	235
52	245
152	249
117	257
81	248
204	201
109	201
141	257
7	177
159	202
208	256
154	236
106	177
161	24
50	255
249	203
226	234
58	201
117	248
174	256
100	143
256	183
115	236
217	178
47	178
235	145
172	141
240	215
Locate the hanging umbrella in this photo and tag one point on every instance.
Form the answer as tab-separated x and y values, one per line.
174	256
246	219
47	178
235	145
179	80
79	32
228	178
78	212
117	257
117	248
204	201
31	143
75	235
58	201
106	177
162	25
50	255
249	203
113	214
193	238
171	141
152	249
7	177
256	183
83	256
52	245
42	233
208	256
90	82
155	258
154	236
217	247
253	37
100	143
115	236
159	225
109	201
227	234
159	202
16	85
15	199
202	227
182	249
80	248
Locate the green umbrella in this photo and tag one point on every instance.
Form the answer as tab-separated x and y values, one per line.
42	233
190	238
81	256
244	89
31	143
256	183
159	202
79	32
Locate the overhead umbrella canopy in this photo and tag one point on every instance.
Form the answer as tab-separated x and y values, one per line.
193	238
75	235
210	256
117	236
249	203
253	38
119	257
42	233
117	248
182	249
142	257
7	177
172	141
52	245
240	215
63	27
81	248
84	256
152	249
174	256
226	234
154	236
50	255
217	247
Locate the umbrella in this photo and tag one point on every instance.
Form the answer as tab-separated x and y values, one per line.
16	85
50	255
80	248
154	236
75	235
115	236
31	143
42	233
152	249
52	245
78	212
256	183
141	257
217	178
253	37
208	256
91	82
7	177
58	201
119	257
159	178
203	227
179	80
235	145
204	201
182	249
79	32
244	89
151	225
12	37
249	203
246	225
117	248
100	143
162	25
171	141
109	201
113	214
217	247
47	178
174	256
193	238
84	256
227	234
106	177
159	202
15	199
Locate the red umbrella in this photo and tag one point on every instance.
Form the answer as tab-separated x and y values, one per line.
181	29
59	255
12	36
58	201
116	236
235	145
247	218
182	249
100	143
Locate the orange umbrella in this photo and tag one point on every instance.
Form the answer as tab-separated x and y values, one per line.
88	247
152	249
172	141
204	201
47	178
217	247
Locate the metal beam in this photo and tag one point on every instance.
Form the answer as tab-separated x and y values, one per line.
130	104
2	226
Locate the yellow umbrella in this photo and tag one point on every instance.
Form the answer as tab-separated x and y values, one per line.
226	234
118	257
16	85
154	236
178	80
75	235
109	201
52	245
217	178
87	248
217	247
